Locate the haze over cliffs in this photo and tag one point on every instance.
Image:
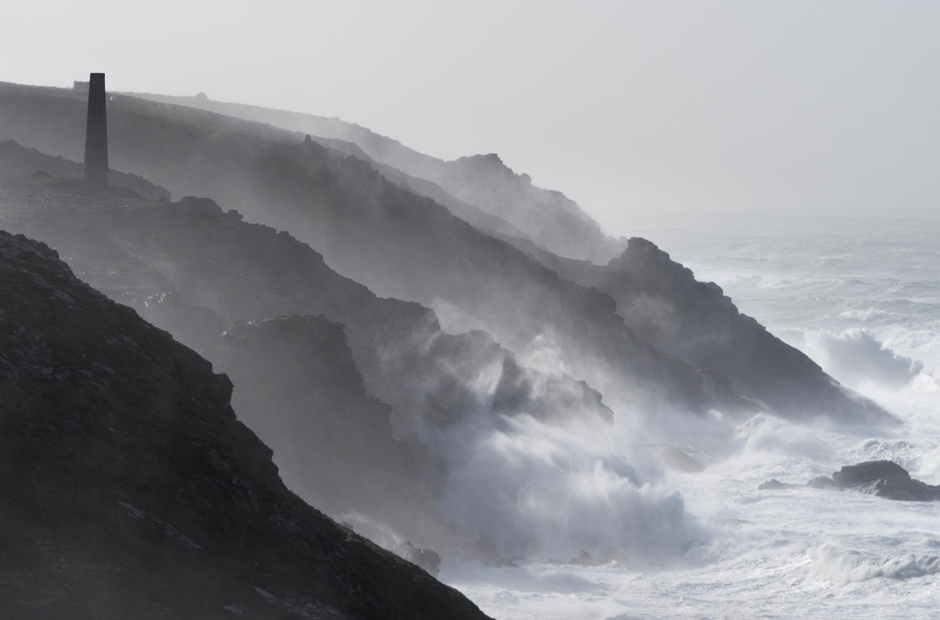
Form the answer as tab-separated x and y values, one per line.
411	337
395	242
484	181
192	268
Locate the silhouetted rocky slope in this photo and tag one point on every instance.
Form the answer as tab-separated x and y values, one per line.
481	220
296	383
547	217
193	269
393	241
697	322
130	490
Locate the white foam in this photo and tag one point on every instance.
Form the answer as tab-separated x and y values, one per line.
840	566
871	314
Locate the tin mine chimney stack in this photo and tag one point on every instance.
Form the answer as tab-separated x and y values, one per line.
96	135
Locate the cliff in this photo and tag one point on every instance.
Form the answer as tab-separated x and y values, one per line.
130	489
194	269
697	322
396	243
483	181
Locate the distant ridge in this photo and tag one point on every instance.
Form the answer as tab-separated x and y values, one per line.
484	181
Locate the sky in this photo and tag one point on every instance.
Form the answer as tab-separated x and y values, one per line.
633	109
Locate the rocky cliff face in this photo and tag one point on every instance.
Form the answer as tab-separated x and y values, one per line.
547	217
297	384
882	478
658	299
395	242
194	269
482	181
696	322
130	490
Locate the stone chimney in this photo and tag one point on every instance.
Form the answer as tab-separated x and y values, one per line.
96	134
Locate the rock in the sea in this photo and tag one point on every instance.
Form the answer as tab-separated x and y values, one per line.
886	479
882	478
871	471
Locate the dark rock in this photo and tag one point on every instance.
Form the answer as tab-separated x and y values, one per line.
298	386
871	471
882	478
885	479
662	301
130	489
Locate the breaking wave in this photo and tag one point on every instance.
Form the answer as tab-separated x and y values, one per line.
838	565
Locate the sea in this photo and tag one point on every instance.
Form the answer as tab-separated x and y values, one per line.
861	297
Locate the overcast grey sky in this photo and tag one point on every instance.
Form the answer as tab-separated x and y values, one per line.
627	107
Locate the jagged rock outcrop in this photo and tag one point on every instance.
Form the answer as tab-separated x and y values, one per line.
193	269
695	321
130	490
547	217
482	181
882	478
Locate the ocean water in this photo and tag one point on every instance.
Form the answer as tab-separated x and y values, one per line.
862	298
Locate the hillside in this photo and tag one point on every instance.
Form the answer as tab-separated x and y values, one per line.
398	244
697	322
679	316
193	269
131	491
484	181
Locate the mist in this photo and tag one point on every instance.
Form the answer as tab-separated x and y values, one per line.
629	108
540	310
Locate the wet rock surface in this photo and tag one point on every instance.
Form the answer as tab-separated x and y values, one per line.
882	478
